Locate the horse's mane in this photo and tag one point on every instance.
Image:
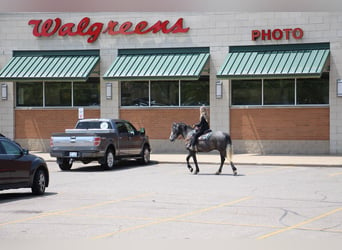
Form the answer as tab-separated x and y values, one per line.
184	124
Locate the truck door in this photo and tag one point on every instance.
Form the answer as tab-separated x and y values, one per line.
134	142
123	138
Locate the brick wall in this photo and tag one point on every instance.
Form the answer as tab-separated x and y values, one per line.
40	123
280	124
157	122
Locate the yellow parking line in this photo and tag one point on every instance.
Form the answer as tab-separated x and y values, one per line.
174	218
73	209
300	224
273	169
335	174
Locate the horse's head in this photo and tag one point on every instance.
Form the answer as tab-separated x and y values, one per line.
176	130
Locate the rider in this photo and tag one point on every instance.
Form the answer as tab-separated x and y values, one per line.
200	127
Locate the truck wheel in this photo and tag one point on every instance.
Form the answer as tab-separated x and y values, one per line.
145	155
65	165
39	183
109	160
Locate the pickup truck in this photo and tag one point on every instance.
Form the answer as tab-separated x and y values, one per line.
104	140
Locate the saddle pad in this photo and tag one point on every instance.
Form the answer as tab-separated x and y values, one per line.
205	137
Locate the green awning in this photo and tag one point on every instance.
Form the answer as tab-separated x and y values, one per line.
50	65
275	61
161	64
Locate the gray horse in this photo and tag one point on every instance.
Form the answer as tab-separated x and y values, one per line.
214	141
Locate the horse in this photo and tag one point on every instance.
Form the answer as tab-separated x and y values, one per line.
217	140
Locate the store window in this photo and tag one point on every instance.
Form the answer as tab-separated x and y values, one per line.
135	93
279	92
87	93
313	91
246	92
30	94
195	93
57	94
165	93
306	91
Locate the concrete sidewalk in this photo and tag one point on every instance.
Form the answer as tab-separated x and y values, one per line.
243	159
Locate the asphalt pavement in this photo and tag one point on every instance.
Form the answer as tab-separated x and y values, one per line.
244	159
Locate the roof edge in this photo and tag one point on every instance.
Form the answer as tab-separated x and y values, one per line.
279	47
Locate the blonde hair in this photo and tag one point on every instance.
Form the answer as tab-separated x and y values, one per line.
204	113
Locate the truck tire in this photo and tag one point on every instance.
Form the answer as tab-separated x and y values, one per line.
65	165
109	160
145	155
39	182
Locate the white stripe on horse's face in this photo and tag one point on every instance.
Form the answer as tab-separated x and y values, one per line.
174	132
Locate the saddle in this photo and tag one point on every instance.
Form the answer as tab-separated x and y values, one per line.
206	135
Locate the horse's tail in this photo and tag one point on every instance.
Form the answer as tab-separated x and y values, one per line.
229	148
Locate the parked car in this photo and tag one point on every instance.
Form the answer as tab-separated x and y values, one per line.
104	140
20	169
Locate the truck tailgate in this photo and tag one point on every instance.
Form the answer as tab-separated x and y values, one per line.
73	142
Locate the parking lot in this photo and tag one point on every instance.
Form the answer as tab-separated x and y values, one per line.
165	201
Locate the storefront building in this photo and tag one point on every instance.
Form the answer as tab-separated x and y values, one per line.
273	80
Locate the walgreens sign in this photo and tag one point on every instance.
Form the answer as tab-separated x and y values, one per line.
84	27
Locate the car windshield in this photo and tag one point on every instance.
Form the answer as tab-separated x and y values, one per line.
94	125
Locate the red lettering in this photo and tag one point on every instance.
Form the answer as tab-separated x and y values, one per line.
159	26
66	29
111	28
94	32
83	24
298	33
35	24
287	33
265	34
277	34
125	27
140	26
255	34
51	27
178	27
45	27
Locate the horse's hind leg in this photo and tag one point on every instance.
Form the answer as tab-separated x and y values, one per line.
233	168
223	158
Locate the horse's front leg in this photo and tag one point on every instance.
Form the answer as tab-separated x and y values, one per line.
187	161
195	161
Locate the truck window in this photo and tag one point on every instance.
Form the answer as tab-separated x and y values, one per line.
93	125
121	128
130	128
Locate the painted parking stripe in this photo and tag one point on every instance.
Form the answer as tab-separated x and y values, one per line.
47	214
335	174
268	170
173	218
300	224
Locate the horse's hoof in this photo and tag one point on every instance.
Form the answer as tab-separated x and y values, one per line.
218	173
191	170
235	173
